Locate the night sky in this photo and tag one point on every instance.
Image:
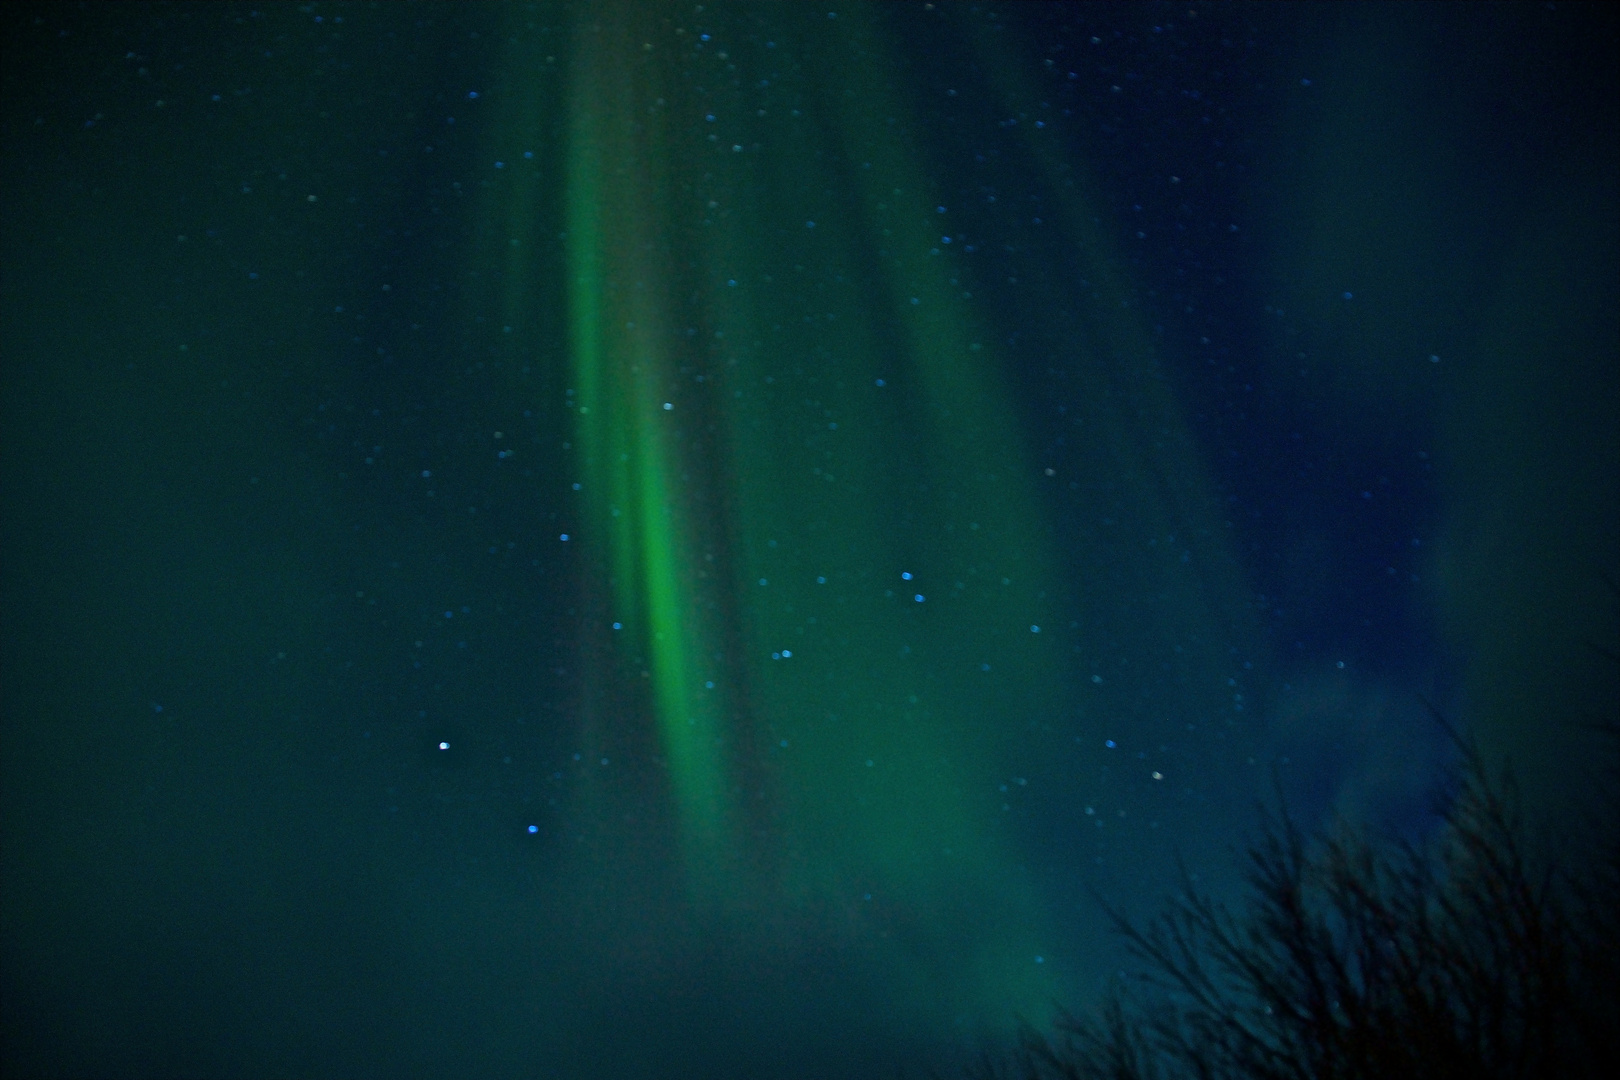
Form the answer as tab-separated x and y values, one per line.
666	540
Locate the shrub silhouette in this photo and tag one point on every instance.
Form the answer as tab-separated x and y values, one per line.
1463	956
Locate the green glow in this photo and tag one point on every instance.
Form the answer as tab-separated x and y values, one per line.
624	430
893	728
838	416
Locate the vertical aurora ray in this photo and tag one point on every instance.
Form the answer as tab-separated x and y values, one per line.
629	450
853	747
813	503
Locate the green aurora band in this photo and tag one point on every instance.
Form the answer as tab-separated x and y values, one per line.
786	398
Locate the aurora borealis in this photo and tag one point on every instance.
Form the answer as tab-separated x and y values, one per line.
642	540
820	521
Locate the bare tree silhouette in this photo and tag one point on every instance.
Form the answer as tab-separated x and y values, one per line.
1462	956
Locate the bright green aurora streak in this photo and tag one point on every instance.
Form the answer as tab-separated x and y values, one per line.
821	528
